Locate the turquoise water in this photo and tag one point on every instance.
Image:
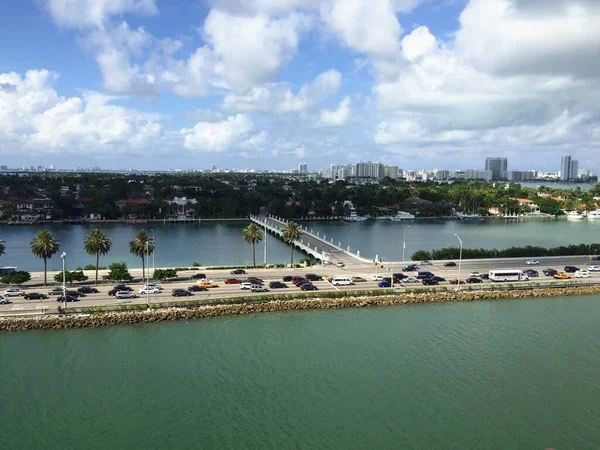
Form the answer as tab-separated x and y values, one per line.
495	375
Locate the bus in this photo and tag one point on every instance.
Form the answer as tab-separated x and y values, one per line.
508	275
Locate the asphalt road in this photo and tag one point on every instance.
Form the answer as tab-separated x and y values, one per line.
21	306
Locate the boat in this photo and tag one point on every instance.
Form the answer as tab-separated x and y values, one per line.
575	215
469	216
594	214
354	217
402	215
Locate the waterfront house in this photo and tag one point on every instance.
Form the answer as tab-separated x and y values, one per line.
134	208
527	206
34	210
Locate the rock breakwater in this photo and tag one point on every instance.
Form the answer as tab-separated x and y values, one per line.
101	319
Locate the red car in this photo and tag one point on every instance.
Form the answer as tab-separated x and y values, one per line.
232	281
456	281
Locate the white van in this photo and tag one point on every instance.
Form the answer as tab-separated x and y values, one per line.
341	281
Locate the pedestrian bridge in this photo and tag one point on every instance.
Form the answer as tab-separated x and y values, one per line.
319	246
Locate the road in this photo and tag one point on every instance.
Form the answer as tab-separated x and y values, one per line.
21	306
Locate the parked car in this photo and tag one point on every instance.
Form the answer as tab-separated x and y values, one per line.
561	276
531	273
288	278
438	279
429	282
199	276
426	263
358	279
571	269
377	277
35	296
456	281
532	262
474	280
259	288
232	281
13	292
181	293
196	288
208	284
450	264
384	284
245	285
313	277
66	298
238	272
549	272
593	268
409	280
308	287
582	274
55	291
87	290
125	294
277	285
4	300
123	287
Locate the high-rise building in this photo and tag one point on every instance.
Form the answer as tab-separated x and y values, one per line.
519	175
478	174
369	170
569	168
574	171
302	168
390	171
497	165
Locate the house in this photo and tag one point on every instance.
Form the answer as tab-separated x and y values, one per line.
35	209
528	206
180	204
134	208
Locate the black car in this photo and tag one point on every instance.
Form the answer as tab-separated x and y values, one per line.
474	280
34	296
277	285
199	276
550	272
438	279
75	294
596	258
113	292
571	269
410	268
181	293
398	277
307	286
237	272
68	298
450	264
123	287
196	288
429	282
531	273
313	277
287	278
87	290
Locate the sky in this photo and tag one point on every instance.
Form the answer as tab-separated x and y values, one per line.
269	84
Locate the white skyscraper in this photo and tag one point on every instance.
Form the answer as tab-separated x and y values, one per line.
302	168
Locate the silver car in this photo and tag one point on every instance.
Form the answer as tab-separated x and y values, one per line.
13	292
125	294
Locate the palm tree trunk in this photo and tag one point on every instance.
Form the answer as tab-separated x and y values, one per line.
253	254
45	273
143	269
97	264
292	257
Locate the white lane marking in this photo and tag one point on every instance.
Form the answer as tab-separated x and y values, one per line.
18	308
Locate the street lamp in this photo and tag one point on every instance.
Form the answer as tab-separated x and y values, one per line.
265	242
459	260
148	273
153	251
404	242
64	286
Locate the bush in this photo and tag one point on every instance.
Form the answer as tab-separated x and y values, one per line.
118	272
92	267
19	277
421	255
164	274
70	277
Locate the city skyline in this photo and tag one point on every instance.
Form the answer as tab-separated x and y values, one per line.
271	84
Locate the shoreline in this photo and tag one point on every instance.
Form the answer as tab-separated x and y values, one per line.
101	318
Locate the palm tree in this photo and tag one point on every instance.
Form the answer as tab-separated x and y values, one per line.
253	235
291	233
44	245
141	246
2	247
97	243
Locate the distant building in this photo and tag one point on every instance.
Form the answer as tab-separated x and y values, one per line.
568	168
519	175
497	166
391	172
369	170
470	174
302	168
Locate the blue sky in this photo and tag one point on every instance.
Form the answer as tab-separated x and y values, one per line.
157	84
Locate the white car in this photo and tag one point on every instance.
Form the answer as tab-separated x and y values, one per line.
259	288
149	290
474	275
593	268
246	285
13	292
377	277
582	274
409	280
532	262
425	263
340	264
125	294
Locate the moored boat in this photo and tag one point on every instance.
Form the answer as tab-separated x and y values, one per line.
575	215
594	214
402	215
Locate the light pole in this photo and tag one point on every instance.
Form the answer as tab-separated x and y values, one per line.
404	242
148	273
153	251
64	286
459	260
265	242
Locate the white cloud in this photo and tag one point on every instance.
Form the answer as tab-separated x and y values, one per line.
95	13
338	116
218	136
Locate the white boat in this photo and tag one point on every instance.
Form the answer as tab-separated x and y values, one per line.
574	215
354	217
469	216
402	215
594	214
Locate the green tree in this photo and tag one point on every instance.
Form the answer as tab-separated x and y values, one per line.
17	278
291	233
164	274
97	243
44	245
253	235
2	247
141	246
118	272
70	277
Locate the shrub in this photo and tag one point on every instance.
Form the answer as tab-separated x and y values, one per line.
118	272
19	277
164	274
70	277
92	267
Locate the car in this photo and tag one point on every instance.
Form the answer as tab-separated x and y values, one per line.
259	288
593	268
87	290
288	278
340	264
475	275
438	279
426	263
123	287
358	279
254	280
238	272
245	285
398	276
55	291
450	264
377	277
113	292
474	280
571	269
582	274
75	293
411	268
152	286
549	272
232	281
66	298
198	276
409	280
532	262
429	282
13	292
4	300
277	285
181	293
196	288
308	287
456	281
298	280
561	276
125	294
35	296
149	290
596	258
531	273
313	277
208	284
384	284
